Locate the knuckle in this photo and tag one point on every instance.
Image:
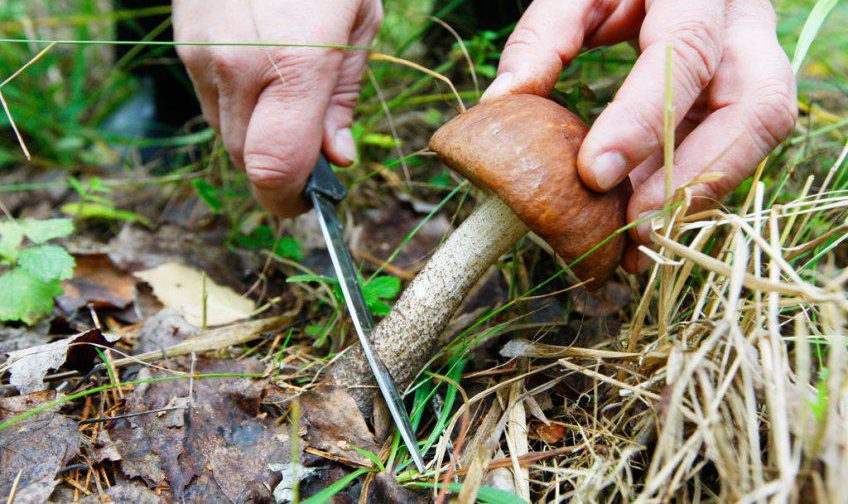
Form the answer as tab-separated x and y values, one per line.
297	69
773	111
527	43
524	37
697	45
345	98
226	63
649	120
269	171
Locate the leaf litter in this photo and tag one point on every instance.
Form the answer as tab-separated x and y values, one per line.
35	451
208	441
29	366
198	299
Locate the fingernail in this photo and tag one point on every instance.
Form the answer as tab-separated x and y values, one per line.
345	144
500	87
609	168
643	230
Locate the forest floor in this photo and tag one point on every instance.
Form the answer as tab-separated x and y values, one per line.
165	336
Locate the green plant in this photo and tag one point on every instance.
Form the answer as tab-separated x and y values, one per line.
376	290
262	237
34	268
92	205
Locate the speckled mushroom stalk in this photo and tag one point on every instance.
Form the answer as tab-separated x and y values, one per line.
522	149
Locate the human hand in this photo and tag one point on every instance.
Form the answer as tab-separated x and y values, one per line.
733	89
277	107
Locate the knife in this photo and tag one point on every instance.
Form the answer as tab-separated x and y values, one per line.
325	191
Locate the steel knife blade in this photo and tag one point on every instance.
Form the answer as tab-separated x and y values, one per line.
325	191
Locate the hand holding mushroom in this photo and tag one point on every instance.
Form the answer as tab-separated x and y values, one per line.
733	89
522	149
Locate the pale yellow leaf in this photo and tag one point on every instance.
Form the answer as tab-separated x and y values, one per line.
180	287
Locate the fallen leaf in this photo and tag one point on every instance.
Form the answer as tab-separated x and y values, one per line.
181	287
104	447
292	474
334	421
137	249
98	282
550	434
37	448
29	366
211	448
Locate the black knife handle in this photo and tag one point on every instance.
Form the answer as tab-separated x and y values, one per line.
324	182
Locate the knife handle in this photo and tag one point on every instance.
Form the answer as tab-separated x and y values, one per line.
324	182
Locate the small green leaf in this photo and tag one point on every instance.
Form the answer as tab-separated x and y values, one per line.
380	140
310	278
820	405
25	298
378	464
378	307
40	231
208	193
47	262
11	237
263	237
289	248
92	210
442	179
383	287
313	329
77	186
96	185
259	237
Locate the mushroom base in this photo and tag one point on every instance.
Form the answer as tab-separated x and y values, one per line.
409	335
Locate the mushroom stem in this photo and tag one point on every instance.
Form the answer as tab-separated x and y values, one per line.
409	335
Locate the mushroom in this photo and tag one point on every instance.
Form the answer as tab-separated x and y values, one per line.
523	150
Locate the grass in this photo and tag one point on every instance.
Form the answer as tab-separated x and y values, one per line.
741	387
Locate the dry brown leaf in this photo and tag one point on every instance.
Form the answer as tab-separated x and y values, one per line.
28	367
181	287
211	448
37	448
98	282
550	434
334	421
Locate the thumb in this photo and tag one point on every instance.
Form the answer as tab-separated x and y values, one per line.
338	143
549	34
284	135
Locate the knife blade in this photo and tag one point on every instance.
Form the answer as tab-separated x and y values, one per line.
325	191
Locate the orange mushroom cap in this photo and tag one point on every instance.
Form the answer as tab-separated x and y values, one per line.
523	148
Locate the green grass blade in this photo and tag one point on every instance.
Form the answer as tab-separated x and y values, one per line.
326	494
487	495
811	29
